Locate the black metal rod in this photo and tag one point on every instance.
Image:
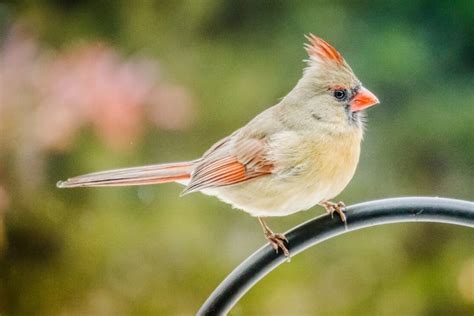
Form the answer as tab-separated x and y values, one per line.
397	210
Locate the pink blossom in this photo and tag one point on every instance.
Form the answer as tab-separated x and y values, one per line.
49	96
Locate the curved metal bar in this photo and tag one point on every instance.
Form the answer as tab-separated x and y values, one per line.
396	210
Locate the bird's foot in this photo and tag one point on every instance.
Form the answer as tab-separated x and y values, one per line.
332	208
277	241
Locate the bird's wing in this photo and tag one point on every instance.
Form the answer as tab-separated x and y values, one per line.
230	161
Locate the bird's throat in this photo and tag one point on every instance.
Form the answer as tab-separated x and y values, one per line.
353	117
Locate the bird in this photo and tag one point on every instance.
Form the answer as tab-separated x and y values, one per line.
299	153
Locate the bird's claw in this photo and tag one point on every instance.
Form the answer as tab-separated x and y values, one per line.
277	241
338	208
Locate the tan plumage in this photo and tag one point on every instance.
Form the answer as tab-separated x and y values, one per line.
301	152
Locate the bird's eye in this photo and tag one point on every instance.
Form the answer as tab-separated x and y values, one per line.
340	94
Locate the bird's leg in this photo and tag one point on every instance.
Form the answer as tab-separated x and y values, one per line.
275	240
332	207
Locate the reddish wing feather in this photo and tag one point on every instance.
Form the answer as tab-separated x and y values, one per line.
230	162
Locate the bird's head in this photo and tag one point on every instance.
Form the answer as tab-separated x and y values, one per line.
328	80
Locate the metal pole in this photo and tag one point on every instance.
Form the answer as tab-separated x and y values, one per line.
397	210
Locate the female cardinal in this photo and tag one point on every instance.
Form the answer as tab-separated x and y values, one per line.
301	152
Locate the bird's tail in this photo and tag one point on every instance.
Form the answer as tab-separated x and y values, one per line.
152	174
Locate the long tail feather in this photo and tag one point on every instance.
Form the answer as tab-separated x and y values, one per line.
152	174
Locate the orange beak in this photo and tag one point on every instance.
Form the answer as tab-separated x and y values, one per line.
363	99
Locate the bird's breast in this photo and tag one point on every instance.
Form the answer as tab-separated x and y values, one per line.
333	163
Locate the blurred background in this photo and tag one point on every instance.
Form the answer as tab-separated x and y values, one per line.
94	85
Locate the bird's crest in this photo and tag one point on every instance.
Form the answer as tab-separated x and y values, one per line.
327	64
319	49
